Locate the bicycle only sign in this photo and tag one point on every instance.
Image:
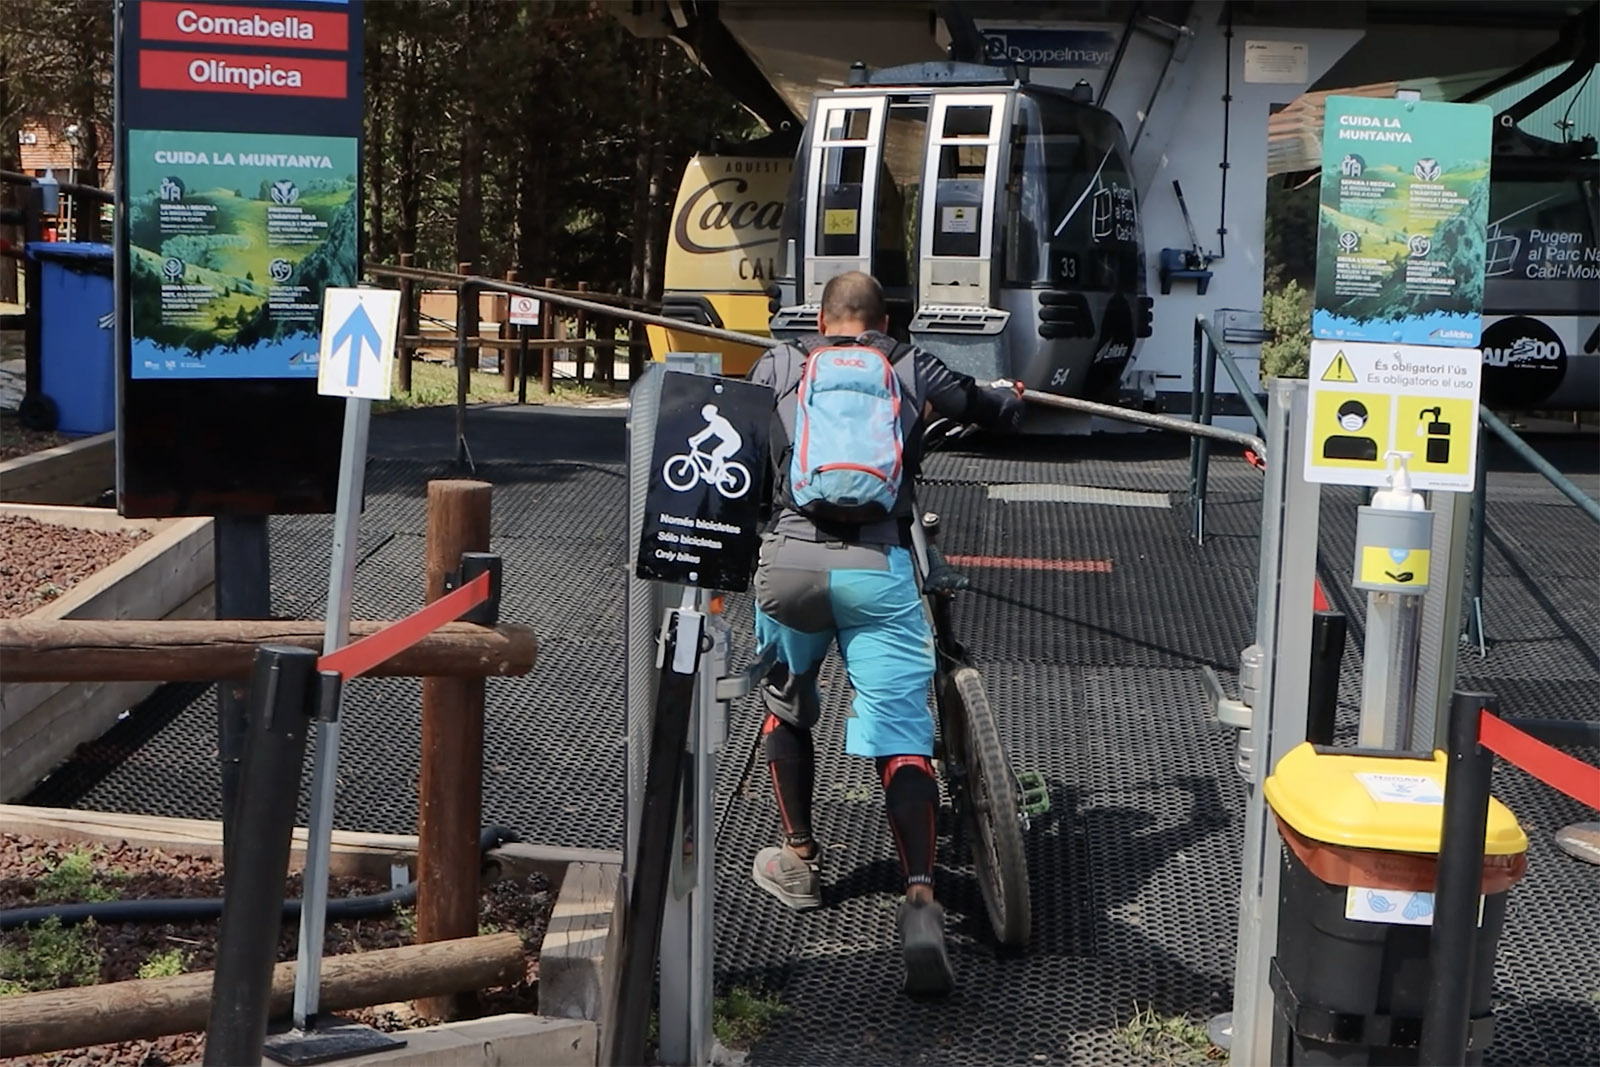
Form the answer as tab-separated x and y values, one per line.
702	521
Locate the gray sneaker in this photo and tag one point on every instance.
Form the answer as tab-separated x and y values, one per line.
787	877
928	972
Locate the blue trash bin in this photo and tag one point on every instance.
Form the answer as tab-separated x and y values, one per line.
77	356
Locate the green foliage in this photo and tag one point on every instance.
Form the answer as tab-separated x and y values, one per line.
405	917
741	1018
1175	1040
168	964
73	879
49	956
1291	235
1286	312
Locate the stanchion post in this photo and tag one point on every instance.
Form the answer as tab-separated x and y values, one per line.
1453	942
404	353
648	886
243	563
282	703
1328	630
450	804
522	364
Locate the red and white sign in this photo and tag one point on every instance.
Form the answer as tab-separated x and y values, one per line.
200	72
524	311
160	20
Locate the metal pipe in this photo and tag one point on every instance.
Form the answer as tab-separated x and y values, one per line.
1247	392
1453	943
1148	418
1532	458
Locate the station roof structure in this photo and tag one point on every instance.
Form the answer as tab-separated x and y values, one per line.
774	54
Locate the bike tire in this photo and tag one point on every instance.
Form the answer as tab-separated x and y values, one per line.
993	817
735	481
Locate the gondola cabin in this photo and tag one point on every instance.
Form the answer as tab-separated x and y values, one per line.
1001	218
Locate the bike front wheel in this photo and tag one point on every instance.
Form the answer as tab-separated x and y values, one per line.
992	812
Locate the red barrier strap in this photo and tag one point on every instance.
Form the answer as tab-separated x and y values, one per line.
356	659
1551	766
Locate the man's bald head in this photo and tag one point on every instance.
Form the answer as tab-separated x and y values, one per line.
852	304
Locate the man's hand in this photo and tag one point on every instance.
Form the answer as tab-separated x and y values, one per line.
1012	406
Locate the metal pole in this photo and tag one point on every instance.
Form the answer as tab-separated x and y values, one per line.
1389	670
1475	569
1148	418
1290	516
243	562
319	835
408	327
647	889
1196	507
1566	486
252	910
1453	942
1208	387
522	364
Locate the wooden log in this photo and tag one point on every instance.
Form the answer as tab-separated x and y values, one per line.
154	1007
130	650
450	792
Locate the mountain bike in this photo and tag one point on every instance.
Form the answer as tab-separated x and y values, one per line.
993	802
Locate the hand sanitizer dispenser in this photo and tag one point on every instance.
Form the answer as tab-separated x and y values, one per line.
1394	536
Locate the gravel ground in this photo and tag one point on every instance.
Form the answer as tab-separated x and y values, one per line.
15	441
35	871
39	561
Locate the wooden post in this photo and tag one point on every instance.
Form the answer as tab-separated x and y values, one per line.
470	319
408	325
547	332
510	358
582	331
638	345
450	804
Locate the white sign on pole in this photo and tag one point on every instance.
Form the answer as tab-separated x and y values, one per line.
1371	399
358	336
524	311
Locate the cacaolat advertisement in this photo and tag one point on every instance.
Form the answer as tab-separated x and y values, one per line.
231	240
1400	236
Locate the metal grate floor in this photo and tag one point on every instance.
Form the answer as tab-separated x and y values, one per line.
1093	676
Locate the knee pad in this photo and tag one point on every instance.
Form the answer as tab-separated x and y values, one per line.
783	740
908	780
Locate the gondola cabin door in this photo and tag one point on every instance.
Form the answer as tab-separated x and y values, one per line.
958	224
842	174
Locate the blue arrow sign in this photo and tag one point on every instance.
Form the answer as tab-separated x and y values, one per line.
358	332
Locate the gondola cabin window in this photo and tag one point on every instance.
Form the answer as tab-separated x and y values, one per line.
1074	217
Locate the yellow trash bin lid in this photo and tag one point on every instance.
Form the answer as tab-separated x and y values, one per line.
1387	803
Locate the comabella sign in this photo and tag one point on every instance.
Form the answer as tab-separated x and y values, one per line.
215	24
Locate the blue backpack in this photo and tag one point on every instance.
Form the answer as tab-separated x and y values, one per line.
848	441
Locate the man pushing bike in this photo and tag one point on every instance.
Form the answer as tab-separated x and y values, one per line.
835	564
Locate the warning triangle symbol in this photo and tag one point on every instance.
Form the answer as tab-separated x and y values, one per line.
1339	370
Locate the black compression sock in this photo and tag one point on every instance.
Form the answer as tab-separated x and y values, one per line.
913	800
791	760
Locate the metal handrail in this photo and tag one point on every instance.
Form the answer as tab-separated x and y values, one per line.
1564	485
1149	418
1208	348
1472	615
1247	392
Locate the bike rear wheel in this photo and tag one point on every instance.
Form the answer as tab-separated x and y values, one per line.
991	810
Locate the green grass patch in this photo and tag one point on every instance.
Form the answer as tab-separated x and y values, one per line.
73	879
49	956
1173	1040
167	964
434	385
740	1018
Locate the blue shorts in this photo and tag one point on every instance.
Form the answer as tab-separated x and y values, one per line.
808	594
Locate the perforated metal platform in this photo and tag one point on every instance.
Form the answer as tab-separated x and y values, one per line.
1094	678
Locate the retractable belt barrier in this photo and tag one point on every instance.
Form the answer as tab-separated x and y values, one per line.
354	660
1550	765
